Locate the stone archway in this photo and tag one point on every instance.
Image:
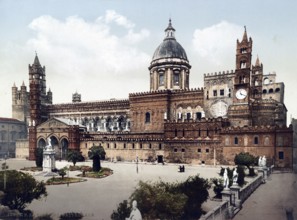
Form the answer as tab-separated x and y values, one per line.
41	143
64	148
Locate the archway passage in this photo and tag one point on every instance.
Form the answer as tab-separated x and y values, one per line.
41	143
160	158
64	148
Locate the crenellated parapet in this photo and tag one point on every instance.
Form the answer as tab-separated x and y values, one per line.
166	91
223	74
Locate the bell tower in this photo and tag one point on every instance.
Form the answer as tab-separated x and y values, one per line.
38	98
240	111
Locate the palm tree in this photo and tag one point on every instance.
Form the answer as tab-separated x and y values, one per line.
96	153
74	156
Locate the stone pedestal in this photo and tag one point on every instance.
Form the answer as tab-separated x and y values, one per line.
49	162
263	172
235	190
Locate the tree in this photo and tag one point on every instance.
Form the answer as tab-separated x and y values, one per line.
96	153
74	156
39	156
161	200
21	189
245	159
62	173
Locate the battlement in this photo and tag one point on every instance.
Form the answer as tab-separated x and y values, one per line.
252	129
166	91
223	74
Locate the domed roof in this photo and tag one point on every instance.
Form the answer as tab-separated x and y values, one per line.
170	48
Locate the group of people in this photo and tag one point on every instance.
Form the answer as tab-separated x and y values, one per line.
182	168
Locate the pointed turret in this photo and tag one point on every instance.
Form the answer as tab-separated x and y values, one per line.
257	61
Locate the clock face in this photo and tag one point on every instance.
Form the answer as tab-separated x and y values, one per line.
241	94
219	109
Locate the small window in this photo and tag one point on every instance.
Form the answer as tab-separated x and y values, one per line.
199	150
175	150
236	140
207	150
108	145
147	117
281	155
215	93
150	146
176	78
256	140
189	116
140	145
270	91
175	132
115	145
86	145
277	89
161	79
124	145
229	95
264	91
133	145
160	146
198	115
222	92
183	150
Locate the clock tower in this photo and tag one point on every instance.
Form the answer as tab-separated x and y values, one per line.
240	111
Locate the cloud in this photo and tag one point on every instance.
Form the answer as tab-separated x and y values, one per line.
217	43
112	16
94	52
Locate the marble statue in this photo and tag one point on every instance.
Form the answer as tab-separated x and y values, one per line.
235	176
260	161
264	161
135	213
226	179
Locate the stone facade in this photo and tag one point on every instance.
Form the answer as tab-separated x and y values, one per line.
236	111
10	131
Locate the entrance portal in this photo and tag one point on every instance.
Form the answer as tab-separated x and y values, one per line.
160	158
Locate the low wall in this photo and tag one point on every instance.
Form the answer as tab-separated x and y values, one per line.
227	209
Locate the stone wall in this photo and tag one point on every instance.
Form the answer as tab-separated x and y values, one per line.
22	149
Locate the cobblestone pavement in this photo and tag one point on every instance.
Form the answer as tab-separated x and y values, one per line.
97	198
274	200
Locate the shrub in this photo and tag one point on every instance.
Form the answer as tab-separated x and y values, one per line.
44	217
218	187
122	211
71	215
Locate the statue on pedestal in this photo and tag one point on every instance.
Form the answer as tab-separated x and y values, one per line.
135	213
235	176
226	179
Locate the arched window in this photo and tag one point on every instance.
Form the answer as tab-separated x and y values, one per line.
176	77
175	132
189	115
198	116
256	140
266	81
147	117
175	150
161	79
270	91
236	140
266	141
277	89
160	146
264	91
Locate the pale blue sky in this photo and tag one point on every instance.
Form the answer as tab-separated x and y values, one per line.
102	48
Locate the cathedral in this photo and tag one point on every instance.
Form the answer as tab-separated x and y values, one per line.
236	111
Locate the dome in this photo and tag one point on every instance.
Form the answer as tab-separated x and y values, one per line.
170	48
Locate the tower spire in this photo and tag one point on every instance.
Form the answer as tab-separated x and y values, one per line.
257	61
36	60
244	38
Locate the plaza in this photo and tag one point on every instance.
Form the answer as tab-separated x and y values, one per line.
97	198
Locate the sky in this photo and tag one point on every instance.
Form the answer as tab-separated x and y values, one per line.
102	48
